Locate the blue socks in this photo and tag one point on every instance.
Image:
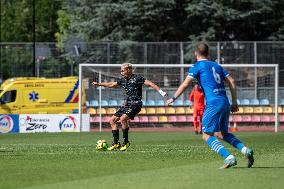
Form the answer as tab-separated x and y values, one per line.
231	139
217	146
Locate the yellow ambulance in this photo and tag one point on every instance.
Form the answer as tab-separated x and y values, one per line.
39	96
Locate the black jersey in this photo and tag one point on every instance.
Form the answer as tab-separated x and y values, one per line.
133	88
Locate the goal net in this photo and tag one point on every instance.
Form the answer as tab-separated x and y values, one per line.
257	94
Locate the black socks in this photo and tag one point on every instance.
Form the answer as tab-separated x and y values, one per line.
125	135
115	134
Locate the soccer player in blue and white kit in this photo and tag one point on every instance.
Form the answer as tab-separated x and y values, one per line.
211	76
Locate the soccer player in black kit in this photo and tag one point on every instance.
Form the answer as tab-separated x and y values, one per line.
132	84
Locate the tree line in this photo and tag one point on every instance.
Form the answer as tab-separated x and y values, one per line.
142	20
64	21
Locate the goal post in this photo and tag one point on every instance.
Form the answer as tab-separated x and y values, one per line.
256	83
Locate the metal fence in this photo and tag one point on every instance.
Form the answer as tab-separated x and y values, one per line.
16	59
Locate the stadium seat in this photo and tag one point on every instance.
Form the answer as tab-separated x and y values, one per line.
241	110
170	110
105	119
282	102
267	110
153	119
160	103
238	102
254	102
136	120
94	103
188	110
150	110
281	119
150	103
160	110
172	119
258	110
187	103
143	119
189	118
265	118
102	111
143	111
248	110
163	119
244	102
95	119
121	102
230	118
91	111
178	103
246	118
272	118
279	110
255	118
237	118
144	103
181	118
111	111
104	103
87	103
264	102
113	103
180	110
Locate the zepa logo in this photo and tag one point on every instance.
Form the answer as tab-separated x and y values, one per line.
68	124
6	124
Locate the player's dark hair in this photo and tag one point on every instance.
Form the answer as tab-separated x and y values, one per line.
202	49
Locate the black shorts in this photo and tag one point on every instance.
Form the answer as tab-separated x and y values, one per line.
130	110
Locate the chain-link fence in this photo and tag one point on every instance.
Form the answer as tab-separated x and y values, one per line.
50	61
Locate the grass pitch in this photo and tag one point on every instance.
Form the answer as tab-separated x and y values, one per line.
154	160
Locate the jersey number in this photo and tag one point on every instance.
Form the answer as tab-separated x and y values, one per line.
216	76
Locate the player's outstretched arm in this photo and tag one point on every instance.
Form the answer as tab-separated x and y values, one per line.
156	87
233	90
105	84
180	90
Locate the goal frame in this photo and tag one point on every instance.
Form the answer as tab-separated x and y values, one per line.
275	66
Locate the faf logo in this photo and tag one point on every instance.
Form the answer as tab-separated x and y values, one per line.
68	124
6	124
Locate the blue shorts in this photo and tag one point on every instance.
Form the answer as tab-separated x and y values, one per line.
216	118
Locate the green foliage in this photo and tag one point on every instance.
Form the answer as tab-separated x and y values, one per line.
16	57
243	20
15	24
17	27
126	52
174	20
63	22
122	20
132	20
55	67
17	20
143	20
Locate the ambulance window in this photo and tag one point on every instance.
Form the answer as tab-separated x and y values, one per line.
9	96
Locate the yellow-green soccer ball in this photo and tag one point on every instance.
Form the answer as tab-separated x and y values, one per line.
101	145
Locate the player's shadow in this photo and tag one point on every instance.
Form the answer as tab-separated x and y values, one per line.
5	150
